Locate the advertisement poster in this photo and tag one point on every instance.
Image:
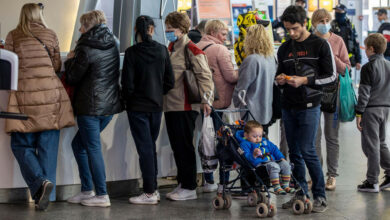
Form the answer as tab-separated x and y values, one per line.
215	9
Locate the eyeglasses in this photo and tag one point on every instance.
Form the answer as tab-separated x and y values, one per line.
41	6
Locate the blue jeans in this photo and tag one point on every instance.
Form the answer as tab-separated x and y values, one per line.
36	154
301	129
145	127
87	150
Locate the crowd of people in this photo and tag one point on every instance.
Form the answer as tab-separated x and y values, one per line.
154	81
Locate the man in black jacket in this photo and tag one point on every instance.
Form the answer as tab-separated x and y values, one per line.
384	29
305	65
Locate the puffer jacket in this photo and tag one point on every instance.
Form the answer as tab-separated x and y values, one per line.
177	99
40	95
224	75
94	72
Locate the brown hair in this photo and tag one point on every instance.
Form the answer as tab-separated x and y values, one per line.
178	20
320	14
92	18
251	125
30	13
215	26
377	41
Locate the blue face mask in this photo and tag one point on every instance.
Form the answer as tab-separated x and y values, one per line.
323	28
171	36
341	17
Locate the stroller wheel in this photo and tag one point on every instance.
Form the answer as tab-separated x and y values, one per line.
228	202
262	198
252	199
298	207
308	207
262	210
272	210
218	203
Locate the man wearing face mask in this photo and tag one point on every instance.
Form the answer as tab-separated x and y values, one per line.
343	27
384	29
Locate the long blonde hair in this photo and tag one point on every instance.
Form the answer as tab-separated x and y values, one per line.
30	13
258	41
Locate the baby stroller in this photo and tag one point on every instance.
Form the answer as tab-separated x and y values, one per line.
231	157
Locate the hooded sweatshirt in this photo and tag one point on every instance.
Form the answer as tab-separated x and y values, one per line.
269	151
147	76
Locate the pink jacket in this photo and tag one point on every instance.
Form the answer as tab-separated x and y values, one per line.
340	53
224	76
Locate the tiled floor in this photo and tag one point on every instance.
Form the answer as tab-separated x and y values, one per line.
344	203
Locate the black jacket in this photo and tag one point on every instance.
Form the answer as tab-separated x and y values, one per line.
385	30
146	76
94	72
317	64
348	32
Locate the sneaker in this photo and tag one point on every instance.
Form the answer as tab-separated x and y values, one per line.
157	193
298	196
330	183
97	201
81	196
385	184
368	187
144	199
178	187
320	205
208	187
184	194
220	189
43	194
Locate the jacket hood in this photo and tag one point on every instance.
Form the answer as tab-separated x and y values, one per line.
240	136
147	51
211	39
99	37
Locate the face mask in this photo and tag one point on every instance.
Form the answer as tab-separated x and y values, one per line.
323	28
341	17
382	21
171	36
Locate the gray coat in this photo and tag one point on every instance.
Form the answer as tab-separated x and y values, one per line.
256	76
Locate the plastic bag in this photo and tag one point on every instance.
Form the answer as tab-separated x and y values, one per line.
347	98
206	148
231	117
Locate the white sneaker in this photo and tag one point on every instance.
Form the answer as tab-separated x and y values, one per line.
81	196
98	201
178	187
157	193
208	187
184	194
220	189
144	199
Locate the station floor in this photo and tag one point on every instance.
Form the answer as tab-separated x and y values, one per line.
344	203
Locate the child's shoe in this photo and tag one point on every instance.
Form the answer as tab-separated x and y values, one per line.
288	189
279	191
368	187
385	184
330	183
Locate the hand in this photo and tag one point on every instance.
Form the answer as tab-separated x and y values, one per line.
256	152
358	66
70	54
297	81
206	110
358	123
281	79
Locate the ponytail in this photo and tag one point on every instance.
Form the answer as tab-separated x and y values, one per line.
142	25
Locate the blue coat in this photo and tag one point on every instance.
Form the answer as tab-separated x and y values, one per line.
268	149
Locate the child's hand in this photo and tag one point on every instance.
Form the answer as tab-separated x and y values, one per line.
256	152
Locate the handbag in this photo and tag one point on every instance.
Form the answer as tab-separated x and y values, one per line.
348	99
190	81
61	75
329	97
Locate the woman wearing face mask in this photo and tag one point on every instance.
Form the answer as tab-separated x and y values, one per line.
180	115
321	22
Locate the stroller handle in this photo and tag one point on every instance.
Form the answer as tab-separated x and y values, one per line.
241	96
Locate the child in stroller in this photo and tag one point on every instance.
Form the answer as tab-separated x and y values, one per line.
261	152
